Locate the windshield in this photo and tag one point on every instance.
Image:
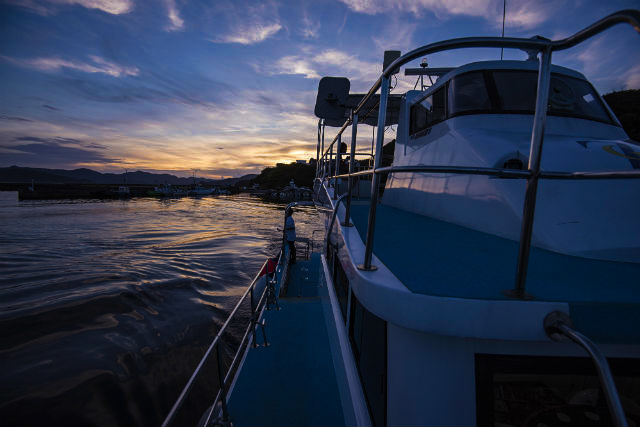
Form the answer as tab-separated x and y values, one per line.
514	91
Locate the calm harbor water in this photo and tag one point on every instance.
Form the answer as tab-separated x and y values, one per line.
107	306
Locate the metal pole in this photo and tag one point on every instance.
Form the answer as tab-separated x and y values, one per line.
318	148
558	324
354	132
322	151
337	169
329	164
368	251
535	155
223	391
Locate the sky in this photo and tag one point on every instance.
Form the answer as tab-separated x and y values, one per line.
228	87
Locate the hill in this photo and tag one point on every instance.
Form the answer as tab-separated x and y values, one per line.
626	106
17	174
279	176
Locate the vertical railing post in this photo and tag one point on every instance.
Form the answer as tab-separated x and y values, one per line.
338	143
354	132
329	164
535	156
324	171
318	148
375	179
253	317
223	389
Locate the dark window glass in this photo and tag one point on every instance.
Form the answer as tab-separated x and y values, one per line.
368	335
468	92
516	90
534	391
341	285
575	97
428	112
418	117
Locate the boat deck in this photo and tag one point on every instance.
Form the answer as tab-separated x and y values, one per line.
292	381
438	258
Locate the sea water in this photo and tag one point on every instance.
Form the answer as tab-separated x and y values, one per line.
106	307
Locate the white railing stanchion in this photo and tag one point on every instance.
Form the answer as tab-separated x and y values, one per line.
375	181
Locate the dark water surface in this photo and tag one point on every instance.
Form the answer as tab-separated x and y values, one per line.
106	307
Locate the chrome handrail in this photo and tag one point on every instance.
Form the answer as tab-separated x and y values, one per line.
532	174
629	16
215	345
558	325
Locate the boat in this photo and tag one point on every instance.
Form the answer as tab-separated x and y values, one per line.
432	298
199	190
167	190
123	191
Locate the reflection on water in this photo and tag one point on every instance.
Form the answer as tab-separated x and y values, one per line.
107	306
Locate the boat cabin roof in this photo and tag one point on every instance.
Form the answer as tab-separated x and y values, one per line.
502	65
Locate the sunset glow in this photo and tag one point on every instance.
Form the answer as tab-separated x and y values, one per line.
228	88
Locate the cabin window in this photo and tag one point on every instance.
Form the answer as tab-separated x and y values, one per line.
428	112
568	96
468	93
535	390
368	334
516	90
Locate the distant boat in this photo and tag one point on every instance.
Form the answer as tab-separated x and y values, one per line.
123	191
167	191
199	190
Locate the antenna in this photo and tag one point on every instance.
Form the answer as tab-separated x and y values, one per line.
504	11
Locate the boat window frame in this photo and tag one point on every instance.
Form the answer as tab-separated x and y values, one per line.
496	107
426	130
488	365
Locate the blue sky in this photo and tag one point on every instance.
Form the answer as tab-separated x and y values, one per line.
228	87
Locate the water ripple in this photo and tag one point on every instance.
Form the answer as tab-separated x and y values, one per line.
107	306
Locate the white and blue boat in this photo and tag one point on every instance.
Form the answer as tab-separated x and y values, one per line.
468	277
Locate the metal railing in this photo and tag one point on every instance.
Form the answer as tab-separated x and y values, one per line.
557	326
533	173
224	379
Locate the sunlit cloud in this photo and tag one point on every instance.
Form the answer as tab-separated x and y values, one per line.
296	65
250	33
53	64
248	23
328	62
520	13
115	7
175	21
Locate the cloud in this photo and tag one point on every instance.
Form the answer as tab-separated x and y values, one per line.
520	13
296	65
396	33
53	152
58	140
53	64
154	89
605	61
248	23
310	29
632	78
176	22
250	33
114	7
332	61
14	119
